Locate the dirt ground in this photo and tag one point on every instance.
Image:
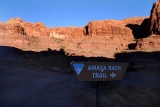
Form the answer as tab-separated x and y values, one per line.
45	80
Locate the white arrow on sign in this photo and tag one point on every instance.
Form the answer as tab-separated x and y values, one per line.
113	75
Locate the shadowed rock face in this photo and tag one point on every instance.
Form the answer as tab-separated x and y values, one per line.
155	19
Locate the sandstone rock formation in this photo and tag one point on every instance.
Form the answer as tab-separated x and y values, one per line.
155	19
12	28
60	32
17	25
151	43
97	38
112	27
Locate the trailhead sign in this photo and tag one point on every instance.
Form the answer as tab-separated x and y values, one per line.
99	71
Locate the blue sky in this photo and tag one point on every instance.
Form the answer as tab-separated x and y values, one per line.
72	12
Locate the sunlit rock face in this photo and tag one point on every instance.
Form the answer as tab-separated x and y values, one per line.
98	38
155	19
152	43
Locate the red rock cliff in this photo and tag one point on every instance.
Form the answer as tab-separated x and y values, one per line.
155	19
97	38
152	43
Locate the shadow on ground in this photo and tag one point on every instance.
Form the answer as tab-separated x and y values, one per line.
30	79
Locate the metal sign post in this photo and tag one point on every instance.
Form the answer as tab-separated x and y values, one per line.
98	94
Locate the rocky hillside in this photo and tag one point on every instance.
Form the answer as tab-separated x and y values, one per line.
98	38
152	43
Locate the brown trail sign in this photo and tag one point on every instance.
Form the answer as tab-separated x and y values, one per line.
99	71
